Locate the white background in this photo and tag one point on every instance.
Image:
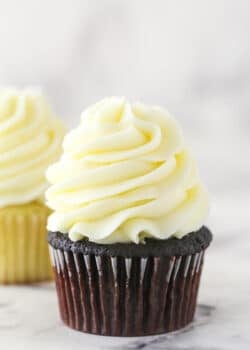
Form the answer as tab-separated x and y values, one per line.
192	57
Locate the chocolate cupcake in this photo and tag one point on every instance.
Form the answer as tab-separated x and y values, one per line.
126	237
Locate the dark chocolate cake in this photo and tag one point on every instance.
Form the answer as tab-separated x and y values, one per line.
192	243
128	289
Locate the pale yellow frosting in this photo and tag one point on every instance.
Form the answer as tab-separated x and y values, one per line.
30	140
125	174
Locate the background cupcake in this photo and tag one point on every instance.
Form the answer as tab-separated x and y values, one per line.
30	140
126	237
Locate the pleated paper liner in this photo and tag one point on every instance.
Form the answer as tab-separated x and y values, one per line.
120	296
24	256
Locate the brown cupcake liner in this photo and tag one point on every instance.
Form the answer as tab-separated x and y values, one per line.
120	296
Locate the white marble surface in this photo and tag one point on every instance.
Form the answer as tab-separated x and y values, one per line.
29	315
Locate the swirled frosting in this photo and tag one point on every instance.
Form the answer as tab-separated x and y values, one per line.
125	174
30	140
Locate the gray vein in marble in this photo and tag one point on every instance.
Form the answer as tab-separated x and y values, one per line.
203	314
5	304
47	330
9	318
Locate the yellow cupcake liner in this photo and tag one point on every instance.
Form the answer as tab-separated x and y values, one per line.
24	256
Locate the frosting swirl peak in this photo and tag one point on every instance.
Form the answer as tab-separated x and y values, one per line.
30	140
125	174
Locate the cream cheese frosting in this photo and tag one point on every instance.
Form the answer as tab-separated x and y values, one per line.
30	140
125	174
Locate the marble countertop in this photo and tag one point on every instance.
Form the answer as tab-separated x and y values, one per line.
29	316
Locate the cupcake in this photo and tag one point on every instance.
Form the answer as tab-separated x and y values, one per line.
30	140
126	234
